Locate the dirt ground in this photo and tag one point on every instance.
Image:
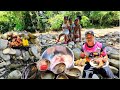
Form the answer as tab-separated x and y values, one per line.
98	32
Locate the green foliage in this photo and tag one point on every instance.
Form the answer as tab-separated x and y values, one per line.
85	21
56	21
52	20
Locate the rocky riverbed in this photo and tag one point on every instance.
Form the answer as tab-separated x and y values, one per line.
14	60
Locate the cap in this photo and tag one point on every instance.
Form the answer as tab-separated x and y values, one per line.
89	32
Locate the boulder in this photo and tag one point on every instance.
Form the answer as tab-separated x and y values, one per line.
16	74
114	69
114	56
18	52
26	55
9	51
76	52
114	62
3	44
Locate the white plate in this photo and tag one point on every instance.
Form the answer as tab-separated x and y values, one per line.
95	65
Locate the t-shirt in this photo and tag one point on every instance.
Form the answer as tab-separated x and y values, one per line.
96	48
65	30
65	26
72	26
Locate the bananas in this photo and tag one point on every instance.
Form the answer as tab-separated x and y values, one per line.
80	62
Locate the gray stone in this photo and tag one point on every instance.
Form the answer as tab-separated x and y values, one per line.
35	51
44	41
114	56
2	63
114	70
114	51
114	62
9	51
5	57
14	65
16	74
3	44
76	52
2	69
118	39
8	63
18	52
2	78
71	43
2	73
26	55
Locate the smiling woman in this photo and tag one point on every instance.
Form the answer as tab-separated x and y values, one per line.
97	55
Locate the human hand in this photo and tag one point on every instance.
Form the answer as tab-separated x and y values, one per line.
99	61
82	55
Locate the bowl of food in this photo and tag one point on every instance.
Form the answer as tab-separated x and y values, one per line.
73	72
43	64
98	64
58	68
62	76
59	54
47	75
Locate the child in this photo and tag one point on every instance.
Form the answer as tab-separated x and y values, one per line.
72	27
65	28
77	30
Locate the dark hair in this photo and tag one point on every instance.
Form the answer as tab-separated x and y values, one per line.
89	32
66	17
79	17
70	18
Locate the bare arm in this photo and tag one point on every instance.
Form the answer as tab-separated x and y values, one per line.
79	34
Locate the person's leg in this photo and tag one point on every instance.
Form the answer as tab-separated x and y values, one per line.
88	71
66	39
106	72
60	36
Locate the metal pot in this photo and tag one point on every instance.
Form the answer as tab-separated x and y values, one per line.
50	52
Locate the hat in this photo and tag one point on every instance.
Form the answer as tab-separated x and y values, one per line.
89	32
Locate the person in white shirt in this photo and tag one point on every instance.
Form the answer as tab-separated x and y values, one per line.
65	28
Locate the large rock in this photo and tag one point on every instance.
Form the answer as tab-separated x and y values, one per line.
34	50
14	66
114	56
76	52
2	69
114	63
18	52
16	74
2	73
9	51
2	63
5	57
3	44
26	55
108	49
114	70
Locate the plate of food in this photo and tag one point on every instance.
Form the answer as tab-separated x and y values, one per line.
99	64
